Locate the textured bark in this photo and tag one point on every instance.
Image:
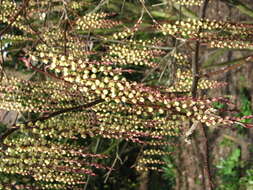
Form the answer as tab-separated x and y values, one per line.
144	179
192	163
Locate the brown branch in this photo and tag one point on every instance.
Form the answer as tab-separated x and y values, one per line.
46	117
224	70
206	157
196	77
195	61
95	152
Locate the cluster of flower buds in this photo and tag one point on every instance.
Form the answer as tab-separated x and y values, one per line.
61	43
128	110
188	2
145	164
25	96
46	160
126	33
132	53
13	38
127	124
155	152
151	156
180	59
76	5
183	82
8	15
8	9
42	3
67	125
94	21
224	34
231	44
192	26
37	186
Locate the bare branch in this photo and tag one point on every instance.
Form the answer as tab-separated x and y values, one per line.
196	77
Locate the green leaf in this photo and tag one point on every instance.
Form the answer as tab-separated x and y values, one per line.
186	12
244	9
213	57
226	63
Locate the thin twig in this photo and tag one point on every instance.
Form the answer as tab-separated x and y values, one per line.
101	3
148	12
95	152
117	157
173	49
122	7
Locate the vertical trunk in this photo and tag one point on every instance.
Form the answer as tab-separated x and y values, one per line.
192	169
144	178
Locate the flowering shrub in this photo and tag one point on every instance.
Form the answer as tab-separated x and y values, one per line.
90	90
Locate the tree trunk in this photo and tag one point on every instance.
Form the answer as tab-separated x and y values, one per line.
144	181
192	169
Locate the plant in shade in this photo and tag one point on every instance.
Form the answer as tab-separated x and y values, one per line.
93	90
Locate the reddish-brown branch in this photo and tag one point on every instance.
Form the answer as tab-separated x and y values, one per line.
28	64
